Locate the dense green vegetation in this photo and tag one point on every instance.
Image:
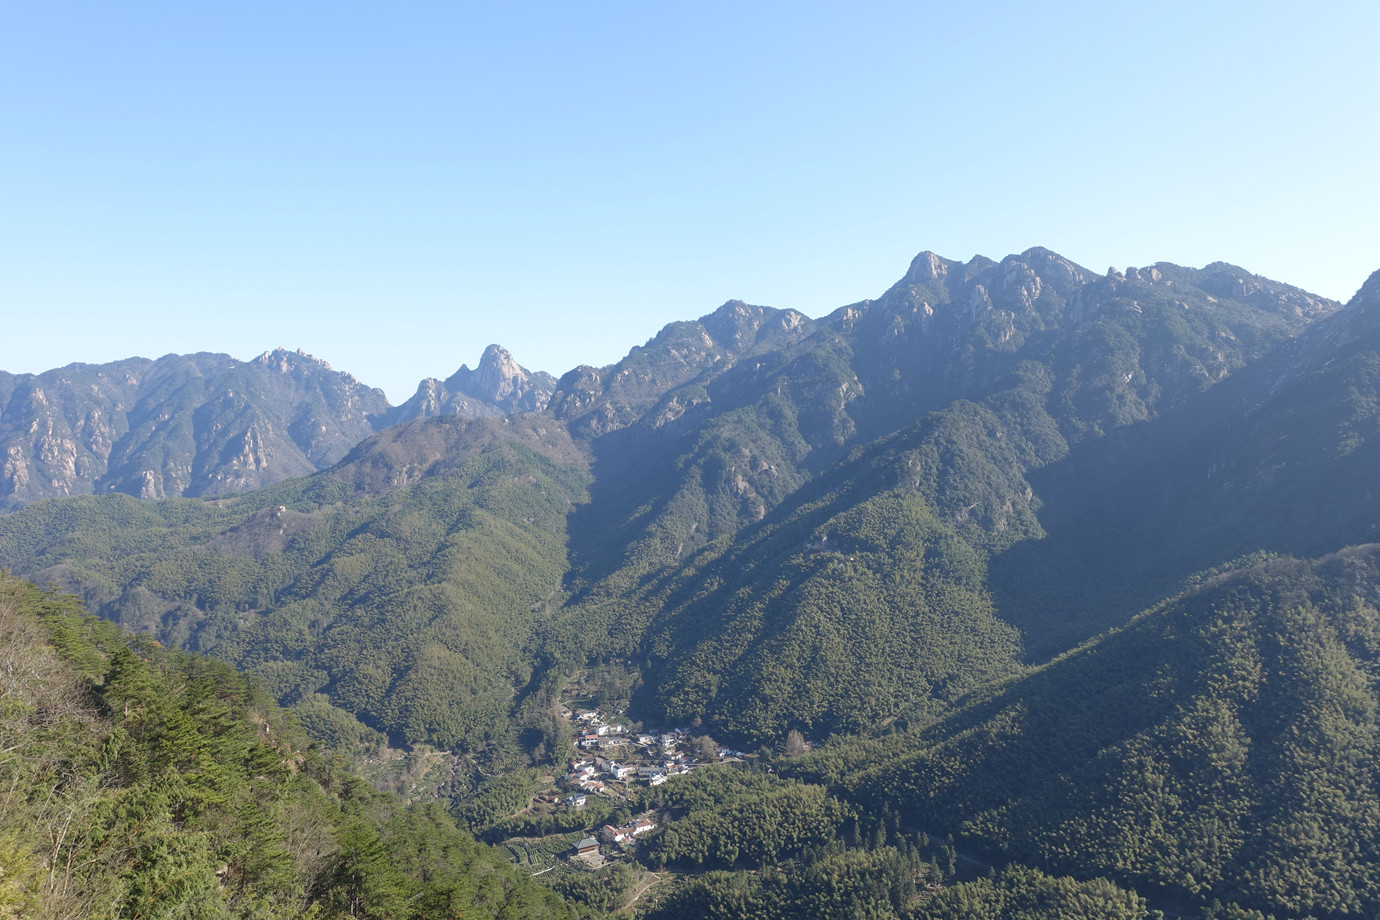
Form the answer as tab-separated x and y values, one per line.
605	890
1223	745
761	525
881	884
409	591
727	817
902	531
1029	894
409	610
1280	457
838	884
872	575
149	783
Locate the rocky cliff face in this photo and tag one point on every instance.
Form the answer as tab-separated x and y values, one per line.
1118	347
1122	346
57	429
989	370
654	378
182	425
207	424
1114	348
498	386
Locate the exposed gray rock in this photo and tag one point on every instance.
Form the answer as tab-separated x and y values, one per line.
181	425
498	386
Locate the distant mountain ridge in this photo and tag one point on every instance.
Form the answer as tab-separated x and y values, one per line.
208	424
1280	456
655	383
908	431
923	431
1007	538
498	386
923	416
199	424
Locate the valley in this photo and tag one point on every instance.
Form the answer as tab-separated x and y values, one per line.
1077	570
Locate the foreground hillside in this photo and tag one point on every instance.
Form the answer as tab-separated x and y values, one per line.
148	783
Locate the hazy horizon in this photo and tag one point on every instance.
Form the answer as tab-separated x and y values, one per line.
391	191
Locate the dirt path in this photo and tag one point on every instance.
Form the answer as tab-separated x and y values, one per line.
647	881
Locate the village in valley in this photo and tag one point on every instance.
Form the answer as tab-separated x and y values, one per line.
594	817
613	760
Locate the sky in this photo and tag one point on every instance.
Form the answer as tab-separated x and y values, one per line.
392	187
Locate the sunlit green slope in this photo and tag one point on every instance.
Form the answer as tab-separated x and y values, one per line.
401	588
143	782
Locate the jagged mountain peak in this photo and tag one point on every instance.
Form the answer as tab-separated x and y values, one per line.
498	375
199	424
928	267
958	295
932	280
600	400
305	366
497	386
496	354
737	325
1051	267
1369	292
284	360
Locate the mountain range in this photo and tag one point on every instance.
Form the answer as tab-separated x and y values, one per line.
1070	565
202	425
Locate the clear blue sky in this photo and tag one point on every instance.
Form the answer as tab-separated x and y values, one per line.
391	187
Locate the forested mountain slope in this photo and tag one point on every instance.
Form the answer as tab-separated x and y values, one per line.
1282	456
907	527
902	430
1119	348
401	588
711	438
777	508
1222	745
148	783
